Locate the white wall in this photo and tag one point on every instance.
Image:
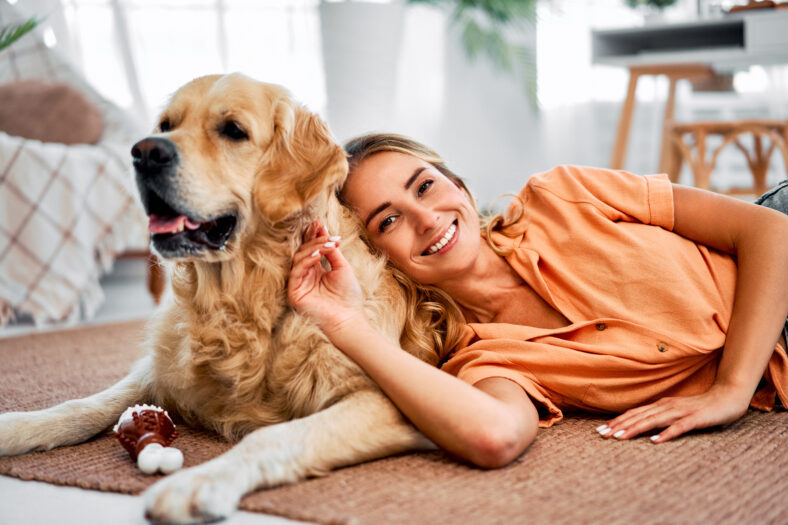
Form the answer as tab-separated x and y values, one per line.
475	116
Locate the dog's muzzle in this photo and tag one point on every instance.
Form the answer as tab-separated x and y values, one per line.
176	231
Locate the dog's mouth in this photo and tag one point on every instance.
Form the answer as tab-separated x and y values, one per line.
174	233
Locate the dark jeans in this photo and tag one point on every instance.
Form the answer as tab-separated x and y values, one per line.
777	199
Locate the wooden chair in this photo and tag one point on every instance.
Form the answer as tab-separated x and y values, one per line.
156	276
690	140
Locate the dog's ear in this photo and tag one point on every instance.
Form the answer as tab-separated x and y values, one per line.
302	161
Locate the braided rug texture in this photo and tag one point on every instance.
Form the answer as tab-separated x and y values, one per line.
737	474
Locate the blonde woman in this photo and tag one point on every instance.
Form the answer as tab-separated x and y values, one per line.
598	290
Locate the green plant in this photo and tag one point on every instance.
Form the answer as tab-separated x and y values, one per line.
12	33
487	26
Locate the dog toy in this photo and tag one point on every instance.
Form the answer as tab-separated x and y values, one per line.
146	432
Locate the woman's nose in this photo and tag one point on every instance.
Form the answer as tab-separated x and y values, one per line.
426	219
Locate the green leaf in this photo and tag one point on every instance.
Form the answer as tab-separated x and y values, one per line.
484	25
12	33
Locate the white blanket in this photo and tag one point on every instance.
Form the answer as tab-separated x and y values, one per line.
65	211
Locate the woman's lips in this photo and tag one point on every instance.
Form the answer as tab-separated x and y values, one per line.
452	231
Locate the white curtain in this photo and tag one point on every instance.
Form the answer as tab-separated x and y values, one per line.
137	52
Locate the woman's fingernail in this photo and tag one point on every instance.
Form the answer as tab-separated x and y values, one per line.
334	238
606	431
330	245
315	253
619	434
654	438
601	428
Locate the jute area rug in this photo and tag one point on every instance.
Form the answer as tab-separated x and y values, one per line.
738	474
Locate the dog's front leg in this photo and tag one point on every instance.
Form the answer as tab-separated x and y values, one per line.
73	421
363	426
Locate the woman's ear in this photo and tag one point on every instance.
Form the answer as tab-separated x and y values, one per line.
302	161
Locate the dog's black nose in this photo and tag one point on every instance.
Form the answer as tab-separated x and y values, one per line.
153	153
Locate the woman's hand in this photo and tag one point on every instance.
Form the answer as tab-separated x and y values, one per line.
332	298
717	406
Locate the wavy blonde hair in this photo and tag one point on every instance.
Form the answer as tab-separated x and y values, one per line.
434	321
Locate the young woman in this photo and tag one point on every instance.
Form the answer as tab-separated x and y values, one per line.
598	290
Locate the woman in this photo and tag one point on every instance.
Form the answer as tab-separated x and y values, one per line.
601	291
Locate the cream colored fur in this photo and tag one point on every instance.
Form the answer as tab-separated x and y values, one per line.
226	350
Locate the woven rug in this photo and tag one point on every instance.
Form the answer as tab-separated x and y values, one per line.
738	474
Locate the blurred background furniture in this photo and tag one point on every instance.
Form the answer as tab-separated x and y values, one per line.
698	51
66	210
691	141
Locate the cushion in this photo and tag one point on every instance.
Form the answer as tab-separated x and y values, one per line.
48	112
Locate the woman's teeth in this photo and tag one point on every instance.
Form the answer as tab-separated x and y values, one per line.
445	239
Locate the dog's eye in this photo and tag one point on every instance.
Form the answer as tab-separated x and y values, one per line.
232	131
164	126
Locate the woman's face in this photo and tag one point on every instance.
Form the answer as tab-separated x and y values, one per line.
421	220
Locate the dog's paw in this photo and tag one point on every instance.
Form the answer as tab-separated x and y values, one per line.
196	495
19	433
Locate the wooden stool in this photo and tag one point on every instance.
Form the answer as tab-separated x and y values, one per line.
694	152
668	157
156	276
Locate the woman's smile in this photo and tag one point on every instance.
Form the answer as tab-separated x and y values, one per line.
444	243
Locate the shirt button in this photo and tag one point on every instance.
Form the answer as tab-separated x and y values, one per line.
662	347
601	326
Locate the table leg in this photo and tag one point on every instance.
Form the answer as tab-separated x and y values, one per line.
666	161
624	125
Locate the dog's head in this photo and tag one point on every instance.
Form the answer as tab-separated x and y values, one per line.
227	153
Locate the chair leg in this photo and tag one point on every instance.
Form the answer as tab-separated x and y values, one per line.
703	167
156	278
675	158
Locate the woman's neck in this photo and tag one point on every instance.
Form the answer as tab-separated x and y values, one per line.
482	292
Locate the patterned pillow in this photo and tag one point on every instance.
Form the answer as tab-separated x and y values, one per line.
49	112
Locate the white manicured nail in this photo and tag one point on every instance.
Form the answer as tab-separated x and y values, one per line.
334	238
601	428
619	434
315	253
654	438
330	244
606	431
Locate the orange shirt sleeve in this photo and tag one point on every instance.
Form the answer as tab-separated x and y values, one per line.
477	361
619	195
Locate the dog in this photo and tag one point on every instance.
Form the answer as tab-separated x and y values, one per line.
231	178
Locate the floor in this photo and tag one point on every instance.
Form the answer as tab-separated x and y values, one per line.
32	502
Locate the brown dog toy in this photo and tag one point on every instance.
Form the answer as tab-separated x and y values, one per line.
146	432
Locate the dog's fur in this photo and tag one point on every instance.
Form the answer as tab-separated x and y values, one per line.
226	350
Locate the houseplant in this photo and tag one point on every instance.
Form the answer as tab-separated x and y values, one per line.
491	27
12	33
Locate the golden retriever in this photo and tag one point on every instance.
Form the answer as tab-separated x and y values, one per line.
234	174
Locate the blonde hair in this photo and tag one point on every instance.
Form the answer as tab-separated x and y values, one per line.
434	323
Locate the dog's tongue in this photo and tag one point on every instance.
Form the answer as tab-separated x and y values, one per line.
159	224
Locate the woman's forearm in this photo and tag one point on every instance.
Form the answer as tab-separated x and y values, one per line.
458	417
760	305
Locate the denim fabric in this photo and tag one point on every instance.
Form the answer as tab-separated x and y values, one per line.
777	199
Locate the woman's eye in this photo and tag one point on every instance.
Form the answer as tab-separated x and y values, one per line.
164	126
385	223
232	131
424	187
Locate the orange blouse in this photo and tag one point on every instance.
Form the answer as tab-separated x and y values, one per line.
649	308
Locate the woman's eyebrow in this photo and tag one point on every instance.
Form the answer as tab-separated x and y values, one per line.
375	212
408	184
412	178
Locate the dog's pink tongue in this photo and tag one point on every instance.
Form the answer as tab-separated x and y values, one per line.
158	224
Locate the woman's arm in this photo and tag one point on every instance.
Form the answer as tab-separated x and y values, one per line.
488	424
758	238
